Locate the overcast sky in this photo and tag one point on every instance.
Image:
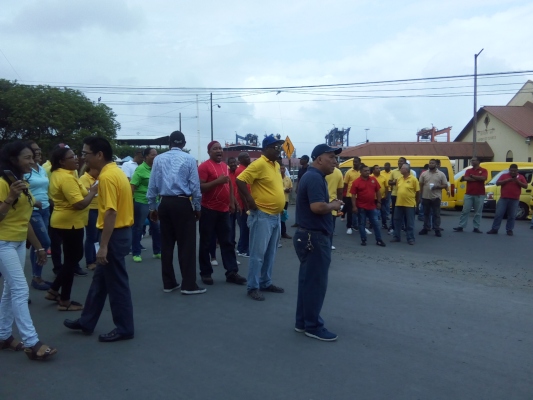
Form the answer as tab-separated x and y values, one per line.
237	44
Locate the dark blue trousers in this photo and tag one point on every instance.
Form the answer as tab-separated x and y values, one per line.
111	279
312	278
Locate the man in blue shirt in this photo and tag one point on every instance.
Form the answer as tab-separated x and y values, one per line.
175	179
312	242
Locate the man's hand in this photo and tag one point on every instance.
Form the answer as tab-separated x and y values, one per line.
337	204
154	216
252	206
101	256
38	205
232	208
197	215
378	206
42	258
222	179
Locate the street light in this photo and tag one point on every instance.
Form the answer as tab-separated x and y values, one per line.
474	138
211	101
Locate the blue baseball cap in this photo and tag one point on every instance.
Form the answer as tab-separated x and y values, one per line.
324	148
270	140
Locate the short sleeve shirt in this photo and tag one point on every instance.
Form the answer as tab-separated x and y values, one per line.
349	179
14	226
313	189
140	179
396	174
407	188
383	183
435	178
87	181
335	181
129	168
39	183
114	193
66	190
511	190
365	192
218	197
476	188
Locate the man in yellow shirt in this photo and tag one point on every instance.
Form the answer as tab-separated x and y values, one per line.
394	176
385	201
335	183
265	202
287	189
407	199
349	178
115	218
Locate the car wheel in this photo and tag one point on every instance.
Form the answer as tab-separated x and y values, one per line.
522	211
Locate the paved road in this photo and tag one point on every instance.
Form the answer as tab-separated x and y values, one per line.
448	318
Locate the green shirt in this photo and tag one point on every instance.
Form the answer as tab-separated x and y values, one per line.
140	180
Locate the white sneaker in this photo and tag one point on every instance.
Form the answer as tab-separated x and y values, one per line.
238	262
349	231
332	247
279	245
368	232
214	263
391	232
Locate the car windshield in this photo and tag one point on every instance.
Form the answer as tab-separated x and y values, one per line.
460	174
496	177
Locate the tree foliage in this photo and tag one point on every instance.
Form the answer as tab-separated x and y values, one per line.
51	115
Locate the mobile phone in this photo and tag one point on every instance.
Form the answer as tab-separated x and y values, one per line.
12	177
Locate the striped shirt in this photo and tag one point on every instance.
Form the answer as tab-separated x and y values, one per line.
174	173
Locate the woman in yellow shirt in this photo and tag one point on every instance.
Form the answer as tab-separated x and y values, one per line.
88	179
71	202
16	206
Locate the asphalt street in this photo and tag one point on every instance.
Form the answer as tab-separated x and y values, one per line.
447	318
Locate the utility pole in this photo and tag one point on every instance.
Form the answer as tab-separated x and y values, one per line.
198	127
366	134
180	122
211	101
474	121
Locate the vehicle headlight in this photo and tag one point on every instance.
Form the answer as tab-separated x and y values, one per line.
490	196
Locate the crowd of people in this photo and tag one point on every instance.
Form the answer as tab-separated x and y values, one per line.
88	207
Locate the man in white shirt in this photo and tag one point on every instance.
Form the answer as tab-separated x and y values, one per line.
129	167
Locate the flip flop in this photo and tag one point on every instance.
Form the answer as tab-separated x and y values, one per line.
73	306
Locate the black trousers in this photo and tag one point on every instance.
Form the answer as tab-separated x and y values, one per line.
111	279
431	206
283	225
218	223
352	221
178	226
72	240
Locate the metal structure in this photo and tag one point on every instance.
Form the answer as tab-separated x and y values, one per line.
338	137
429	134
250	139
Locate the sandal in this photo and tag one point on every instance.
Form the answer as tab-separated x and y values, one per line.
73	306
11	344
40	351
52	296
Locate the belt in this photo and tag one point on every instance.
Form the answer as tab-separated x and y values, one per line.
311	231
183	196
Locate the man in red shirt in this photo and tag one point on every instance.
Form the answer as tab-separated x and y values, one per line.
475	178
512	184
366	200
217	202
244	232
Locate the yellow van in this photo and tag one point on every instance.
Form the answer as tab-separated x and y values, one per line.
493	169
417	165
493	193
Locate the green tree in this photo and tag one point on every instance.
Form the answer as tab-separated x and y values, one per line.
51	115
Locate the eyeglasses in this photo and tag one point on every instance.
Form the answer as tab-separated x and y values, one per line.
277	147
84	153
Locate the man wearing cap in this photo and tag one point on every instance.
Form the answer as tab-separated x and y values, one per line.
217	203
265	203
129	167
312	242
175	179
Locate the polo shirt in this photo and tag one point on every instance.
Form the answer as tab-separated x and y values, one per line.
335	181
14	226
39	182
313	189
218	197
287	184
349	179
87	181
114	193
396	174
365	192
437	178
407	188
129	168
140	179
266	187
387	177
65	190
47	166
511	190
476	188
383	183
301	172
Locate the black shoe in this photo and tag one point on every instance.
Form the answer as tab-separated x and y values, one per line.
476	230
423	232
273	289
234	277
80	272
363	243
492	232
207	280
384	226
460	229
437	233
75	325
509	233
113	336
381	243
256	295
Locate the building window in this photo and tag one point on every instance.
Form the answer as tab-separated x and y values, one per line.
509	156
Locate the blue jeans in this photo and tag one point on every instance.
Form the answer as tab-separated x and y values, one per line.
40	219
372	216
14	304
385	208
91	237
111	279
265	233
140	212
312	278
402	213
475	201
503	206
244	235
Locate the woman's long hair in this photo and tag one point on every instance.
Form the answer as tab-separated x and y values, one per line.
57	156
8	160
